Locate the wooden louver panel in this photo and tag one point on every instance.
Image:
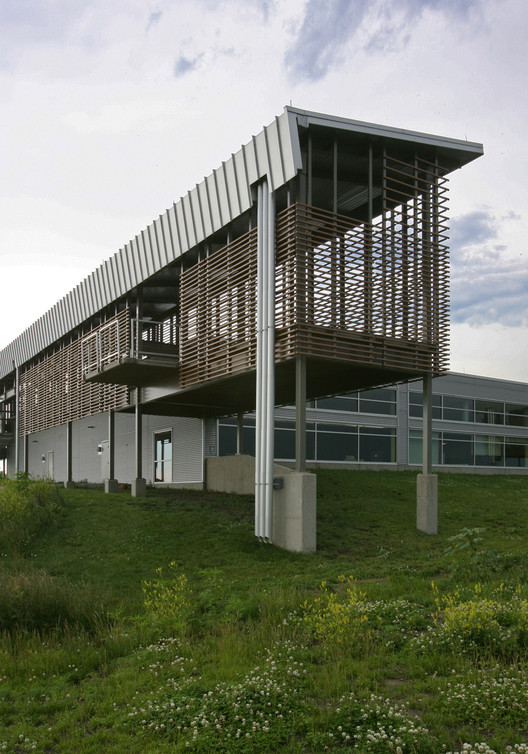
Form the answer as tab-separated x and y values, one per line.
53	392
218	313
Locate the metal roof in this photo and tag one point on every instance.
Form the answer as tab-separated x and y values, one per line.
218	200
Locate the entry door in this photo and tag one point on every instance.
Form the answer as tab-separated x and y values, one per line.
105	460
50	465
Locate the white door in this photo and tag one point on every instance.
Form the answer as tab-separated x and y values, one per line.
50	465
105	460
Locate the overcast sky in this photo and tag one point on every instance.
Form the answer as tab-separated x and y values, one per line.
110	111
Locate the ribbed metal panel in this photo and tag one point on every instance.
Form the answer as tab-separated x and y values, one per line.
216	201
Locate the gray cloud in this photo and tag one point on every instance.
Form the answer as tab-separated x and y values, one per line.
153	19
487	286
184	65
328	26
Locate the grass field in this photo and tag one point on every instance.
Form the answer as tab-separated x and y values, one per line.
162	625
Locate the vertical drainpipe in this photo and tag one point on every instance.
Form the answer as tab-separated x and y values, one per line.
265	390
258	398
270	386
17	420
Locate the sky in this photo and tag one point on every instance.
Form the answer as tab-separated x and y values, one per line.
110	111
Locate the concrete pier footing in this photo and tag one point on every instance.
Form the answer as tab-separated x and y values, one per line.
139	488
427	503
295	513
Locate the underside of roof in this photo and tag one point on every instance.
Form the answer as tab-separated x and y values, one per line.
220	198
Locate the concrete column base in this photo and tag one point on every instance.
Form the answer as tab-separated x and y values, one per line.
111	485
294	513
139	488
69	485
427	503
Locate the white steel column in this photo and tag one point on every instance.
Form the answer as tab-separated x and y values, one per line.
265	395
17	419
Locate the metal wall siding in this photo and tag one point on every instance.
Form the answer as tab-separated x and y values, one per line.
174	231
190	220
221	189
230	191
214	209
156	237
180	225
165	240
242	183
194	206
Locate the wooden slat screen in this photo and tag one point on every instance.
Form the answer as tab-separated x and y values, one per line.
218	313
53	392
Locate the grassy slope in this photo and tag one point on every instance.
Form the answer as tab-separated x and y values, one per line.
366	529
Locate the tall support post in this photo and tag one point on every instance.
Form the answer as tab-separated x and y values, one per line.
17	420
68	484
111	484
139	485
26	454
240	434
300	414
427	482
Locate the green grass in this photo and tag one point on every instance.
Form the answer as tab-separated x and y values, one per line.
109	675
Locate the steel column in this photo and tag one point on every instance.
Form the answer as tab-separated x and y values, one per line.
300	414
427	432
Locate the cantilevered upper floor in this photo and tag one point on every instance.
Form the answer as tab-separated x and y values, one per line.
361	280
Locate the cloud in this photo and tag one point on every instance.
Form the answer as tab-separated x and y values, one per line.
488	285
184	65
153	19
327	27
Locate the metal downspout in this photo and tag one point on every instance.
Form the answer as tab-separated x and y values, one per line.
265	397
17	420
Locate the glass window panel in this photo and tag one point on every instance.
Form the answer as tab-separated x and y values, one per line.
342	428
516	415
339	403
415	448
516	453
377	448
248	441
459	451
377	407
489	412
227	440
489	451
458	409
336	447
382	431
284	444
379	394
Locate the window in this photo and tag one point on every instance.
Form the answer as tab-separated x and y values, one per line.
163	456
458	409
516	416
416	405
347	402
337	442
489	450
516	451
378	401
489	412
416	447
457	449
377	444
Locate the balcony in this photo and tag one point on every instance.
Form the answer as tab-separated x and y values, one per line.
133	352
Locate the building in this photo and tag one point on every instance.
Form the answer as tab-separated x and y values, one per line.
480	425
312	263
